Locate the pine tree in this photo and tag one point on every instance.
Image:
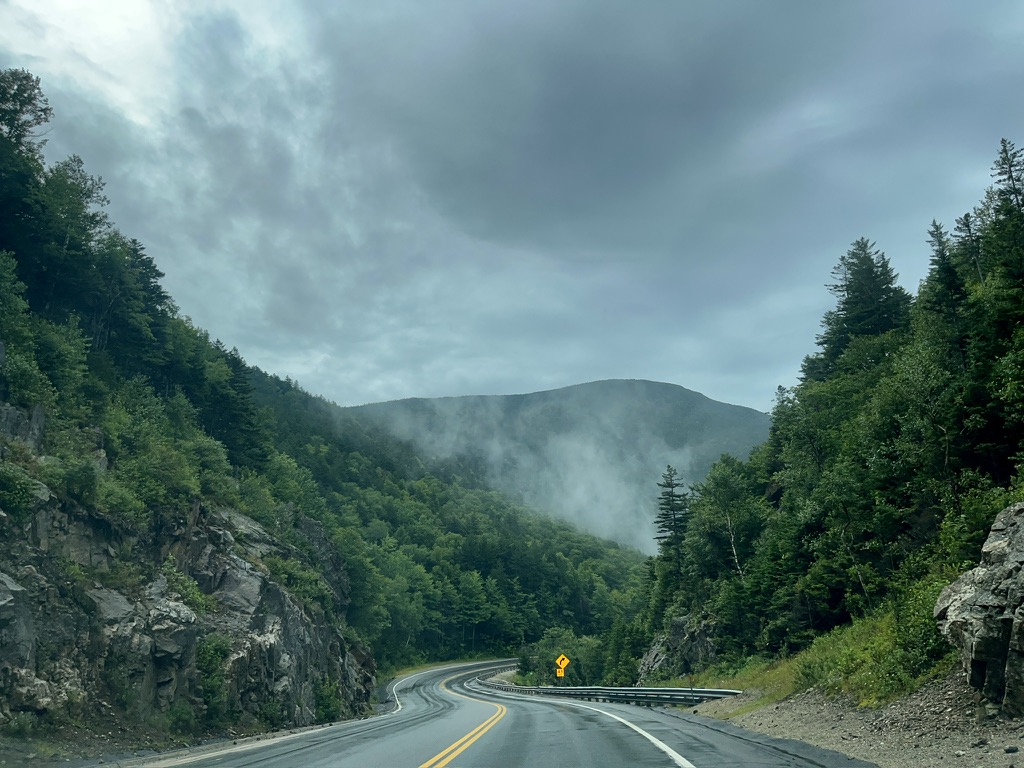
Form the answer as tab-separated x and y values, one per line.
944	292
673	512
1008	170
870	303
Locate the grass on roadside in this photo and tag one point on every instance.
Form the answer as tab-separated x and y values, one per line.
771	679
874	660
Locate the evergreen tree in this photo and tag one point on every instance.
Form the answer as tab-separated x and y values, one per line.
1008	170
673	509
870	303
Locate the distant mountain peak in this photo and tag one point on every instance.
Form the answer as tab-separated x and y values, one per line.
590	453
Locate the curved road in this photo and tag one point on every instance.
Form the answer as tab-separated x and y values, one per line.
443	718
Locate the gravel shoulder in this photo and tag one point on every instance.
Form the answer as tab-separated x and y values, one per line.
938	725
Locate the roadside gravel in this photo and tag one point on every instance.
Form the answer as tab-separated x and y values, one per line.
939	725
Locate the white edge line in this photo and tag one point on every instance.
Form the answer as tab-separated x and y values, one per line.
678	759
394	686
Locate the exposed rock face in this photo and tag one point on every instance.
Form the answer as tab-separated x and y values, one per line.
14	423
982	614
89	623
687	646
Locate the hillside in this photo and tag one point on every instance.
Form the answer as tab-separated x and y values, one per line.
884	470
590	454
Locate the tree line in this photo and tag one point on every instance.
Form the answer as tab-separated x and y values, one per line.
884	468
885	464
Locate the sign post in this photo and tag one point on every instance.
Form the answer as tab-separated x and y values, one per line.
560	664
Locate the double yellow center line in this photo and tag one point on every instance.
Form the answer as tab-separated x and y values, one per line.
448	754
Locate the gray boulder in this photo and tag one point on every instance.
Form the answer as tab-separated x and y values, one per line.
982	615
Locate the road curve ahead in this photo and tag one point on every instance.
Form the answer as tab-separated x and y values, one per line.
443	718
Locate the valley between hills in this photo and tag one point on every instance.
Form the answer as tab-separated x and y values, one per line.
193	547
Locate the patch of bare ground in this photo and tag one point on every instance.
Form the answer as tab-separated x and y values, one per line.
938	725
85	745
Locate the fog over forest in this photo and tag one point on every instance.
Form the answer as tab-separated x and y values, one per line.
590	454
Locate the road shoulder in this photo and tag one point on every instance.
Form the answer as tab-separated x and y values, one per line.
936	725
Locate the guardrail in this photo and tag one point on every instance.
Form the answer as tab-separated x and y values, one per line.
679	696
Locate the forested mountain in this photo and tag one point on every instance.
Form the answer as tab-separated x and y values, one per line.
589	453
191	543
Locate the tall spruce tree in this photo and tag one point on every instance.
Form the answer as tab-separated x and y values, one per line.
673	511
870	303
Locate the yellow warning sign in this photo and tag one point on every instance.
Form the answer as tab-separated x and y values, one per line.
559	672
562	661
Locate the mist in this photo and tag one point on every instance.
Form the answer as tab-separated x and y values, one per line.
590	454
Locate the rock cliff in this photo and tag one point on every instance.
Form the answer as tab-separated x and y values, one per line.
982	614
184	628
688	645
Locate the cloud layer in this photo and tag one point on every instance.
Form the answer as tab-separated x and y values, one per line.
406	199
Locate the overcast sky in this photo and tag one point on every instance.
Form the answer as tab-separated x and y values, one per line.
393	199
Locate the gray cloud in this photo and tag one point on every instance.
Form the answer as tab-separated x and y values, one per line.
408	199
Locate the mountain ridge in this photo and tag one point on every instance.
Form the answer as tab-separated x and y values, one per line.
578	385
543	446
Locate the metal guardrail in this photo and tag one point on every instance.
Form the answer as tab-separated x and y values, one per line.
679	696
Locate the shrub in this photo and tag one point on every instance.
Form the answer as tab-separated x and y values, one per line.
881	656
75	479
211	653
16	489
302	581
22	725
182	719
122	505
187	588
328	702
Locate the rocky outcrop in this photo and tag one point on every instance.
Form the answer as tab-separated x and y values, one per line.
982	614
16	425
687	647
94	619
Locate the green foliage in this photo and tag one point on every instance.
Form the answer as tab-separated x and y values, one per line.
586	659
869	304
883	471
187	588
16	490
23	109
878	658
271	714
673	509
181	718
60	352
22	382
121	504
124	574
22	725
212	652
74	480
301	580
970	506
329	704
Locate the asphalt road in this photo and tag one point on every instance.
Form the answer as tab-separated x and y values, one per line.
443	718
